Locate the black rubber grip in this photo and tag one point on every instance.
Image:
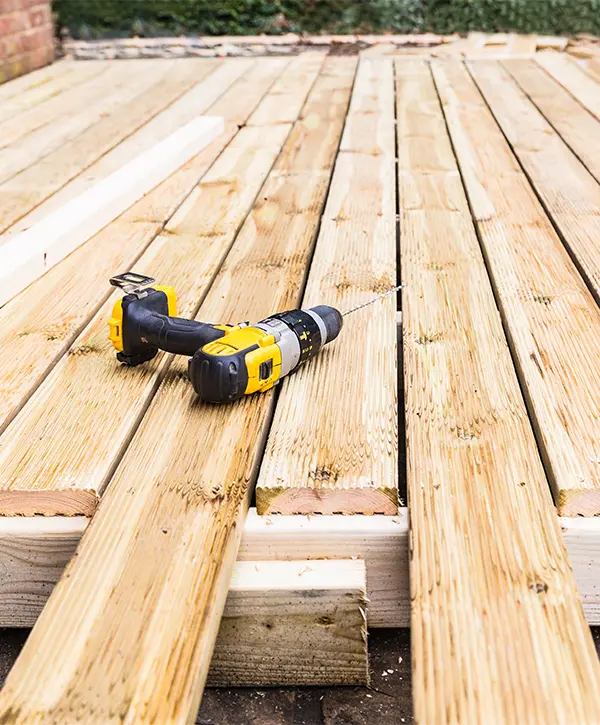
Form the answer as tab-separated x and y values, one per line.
177	335
148	328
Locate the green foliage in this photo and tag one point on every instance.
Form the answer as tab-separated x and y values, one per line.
121	18
552	17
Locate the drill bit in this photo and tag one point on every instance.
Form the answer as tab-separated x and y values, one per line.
370	302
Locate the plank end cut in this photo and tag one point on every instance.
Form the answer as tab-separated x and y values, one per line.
301	500
65	502
26	256
293	623
578	502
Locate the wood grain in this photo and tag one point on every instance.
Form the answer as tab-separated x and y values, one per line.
578	128
333	445
112	90
498	634
557	383
32	89
569	74
132	111
35	550
157	125
64	475
30	254
38	326
293	623
60	99
285	622
159	553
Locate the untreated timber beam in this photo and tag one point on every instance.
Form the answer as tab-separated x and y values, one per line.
28	255
34	552
293	623
149	582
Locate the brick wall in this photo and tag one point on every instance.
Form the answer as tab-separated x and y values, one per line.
26	36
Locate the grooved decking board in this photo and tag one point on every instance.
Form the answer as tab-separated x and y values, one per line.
63	475
39	324
333	445
569	74
44	84
498	635
114	89
149	583
158	124
59	104
567	417
33	185
579	128
29	255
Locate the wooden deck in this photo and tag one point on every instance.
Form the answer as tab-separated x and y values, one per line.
474	183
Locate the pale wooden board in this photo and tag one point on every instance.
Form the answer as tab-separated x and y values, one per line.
29	90
88	158
35	550
522	44
30	254
496	619
593	68
38	325
332	452
111	92
60	102
151	601
569	74
186	255
579	128
567	417
293	623
285	623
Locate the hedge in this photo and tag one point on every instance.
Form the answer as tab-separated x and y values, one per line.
119	18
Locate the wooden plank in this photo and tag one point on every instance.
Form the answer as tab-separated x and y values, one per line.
558	383
58	100
34	88
331	452
296	622
187	254
158	597
174	100
38	326
575	124
34	552
551	42
593	68
30	254
522	44
109	94
494	604
293	623
569	74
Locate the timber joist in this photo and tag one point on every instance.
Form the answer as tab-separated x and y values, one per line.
253	544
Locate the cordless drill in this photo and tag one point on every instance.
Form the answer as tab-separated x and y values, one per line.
226	362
